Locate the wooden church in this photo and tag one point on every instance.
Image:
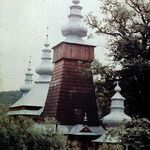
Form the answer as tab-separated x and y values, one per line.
62	92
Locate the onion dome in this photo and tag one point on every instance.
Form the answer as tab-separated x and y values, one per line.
45	69
28	81
117	115
74	30
33	103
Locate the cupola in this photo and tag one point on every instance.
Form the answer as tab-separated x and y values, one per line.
117	114
74	30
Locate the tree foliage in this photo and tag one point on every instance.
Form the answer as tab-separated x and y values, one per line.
23	133
127	23
104	85
136	133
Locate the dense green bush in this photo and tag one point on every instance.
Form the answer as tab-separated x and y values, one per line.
136	133
21	133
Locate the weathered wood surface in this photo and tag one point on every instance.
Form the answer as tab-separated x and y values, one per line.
71	94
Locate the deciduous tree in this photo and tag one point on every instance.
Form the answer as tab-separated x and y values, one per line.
127	23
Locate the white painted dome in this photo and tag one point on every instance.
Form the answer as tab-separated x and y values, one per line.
45	69
117	115
75	29
26	87
36	97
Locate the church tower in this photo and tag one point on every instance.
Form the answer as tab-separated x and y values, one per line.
32	103
26	87
117	114
71	94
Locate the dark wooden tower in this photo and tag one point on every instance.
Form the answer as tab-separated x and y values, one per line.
71	93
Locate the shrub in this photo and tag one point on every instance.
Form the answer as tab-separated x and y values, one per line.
21	133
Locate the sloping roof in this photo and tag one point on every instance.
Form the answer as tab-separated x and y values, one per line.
26	112
107	139
86	130
35	98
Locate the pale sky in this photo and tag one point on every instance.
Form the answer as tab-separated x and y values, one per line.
22	34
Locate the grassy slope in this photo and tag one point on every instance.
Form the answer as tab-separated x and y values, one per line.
9	97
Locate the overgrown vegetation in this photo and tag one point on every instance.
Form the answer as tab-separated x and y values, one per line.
104	85
21	133
127	25
136	133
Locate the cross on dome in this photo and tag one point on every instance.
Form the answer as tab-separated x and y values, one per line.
29	67
117	88
47	43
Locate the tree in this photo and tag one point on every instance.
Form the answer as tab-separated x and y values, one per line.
23	133
104	85
127	23
136	133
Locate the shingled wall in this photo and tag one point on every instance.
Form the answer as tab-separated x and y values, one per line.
71	93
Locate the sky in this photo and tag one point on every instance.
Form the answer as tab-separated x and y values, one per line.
23	32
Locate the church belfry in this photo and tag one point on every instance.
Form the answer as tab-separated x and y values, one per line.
72	94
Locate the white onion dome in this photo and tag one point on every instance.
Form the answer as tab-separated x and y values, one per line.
74	30
25	88
117	115
28	81
45	69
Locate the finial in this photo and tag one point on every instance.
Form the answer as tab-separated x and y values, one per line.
47	37
28	80
76	1
29	67
117	78
85	118
116	115
117	88
47	44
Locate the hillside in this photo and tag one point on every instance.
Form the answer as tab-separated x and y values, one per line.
9	97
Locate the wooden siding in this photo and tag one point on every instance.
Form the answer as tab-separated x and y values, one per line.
71	94
73	51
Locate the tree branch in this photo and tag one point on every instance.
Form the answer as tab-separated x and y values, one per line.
99	30
137	8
